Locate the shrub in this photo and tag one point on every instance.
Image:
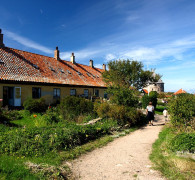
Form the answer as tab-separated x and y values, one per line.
12	115
71	107
183	142
124	115
103	110
2	117
120	113
52	116
35	105
145	101
151	98
161	95
182	110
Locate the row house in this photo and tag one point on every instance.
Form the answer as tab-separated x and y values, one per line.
28	75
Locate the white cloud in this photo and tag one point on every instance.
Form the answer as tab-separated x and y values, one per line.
27	42
82	54
98	66
110	57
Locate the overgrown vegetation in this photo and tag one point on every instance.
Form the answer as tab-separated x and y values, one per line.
167	161
123	114
72	107
53	135
182	110
172	152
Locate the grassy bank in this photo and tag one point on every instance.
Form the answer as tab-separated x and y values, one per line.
167	161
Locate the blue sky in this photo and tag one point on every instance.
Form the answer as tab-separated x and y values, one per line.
160	33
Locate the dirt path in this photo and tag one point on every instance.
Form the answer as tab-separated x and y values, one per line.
123	159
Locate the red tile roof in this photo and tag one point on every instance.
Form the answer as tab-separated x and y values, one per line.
145	91
18	65
180	91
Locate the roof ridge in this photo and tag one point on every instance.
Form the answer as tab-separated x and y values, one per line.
49	57
29	52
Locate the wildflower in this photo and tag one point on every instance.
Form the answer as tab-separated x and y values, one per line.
34	115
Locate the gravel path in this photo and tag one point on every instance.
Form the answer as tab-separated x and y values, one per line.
123	159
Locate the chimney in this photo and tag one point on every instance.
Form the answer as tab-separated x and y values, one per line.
91	63
1	39
72	58
104	67
56	54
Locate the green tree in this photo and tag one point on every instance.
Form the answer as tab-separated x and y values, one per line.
123	96
128	73
124	78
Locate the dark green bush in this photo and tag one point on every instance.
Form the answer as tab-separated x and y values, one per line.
151	98
183	142
35	105
145	101
182	110
71	107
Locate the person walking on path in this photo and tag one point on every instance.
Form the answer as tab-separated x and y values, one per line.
150	113
165	114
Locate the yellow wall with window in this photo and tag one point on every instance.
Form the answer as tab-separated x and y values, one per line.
47	91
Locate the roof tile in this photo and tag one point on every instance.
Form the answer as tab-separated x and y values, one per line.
26	66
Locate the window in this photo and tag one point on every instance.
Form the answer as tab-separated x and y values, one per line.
56	93
105	95
97	93
36	92
73	92
86	93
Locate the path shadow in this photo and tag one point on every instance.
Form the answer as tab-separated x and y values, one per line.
162	124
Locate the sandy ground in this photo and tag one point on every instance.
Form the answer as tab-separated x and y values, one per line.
123	159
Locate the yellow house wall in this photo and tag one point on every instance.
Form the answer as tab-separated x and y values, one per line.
47	91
